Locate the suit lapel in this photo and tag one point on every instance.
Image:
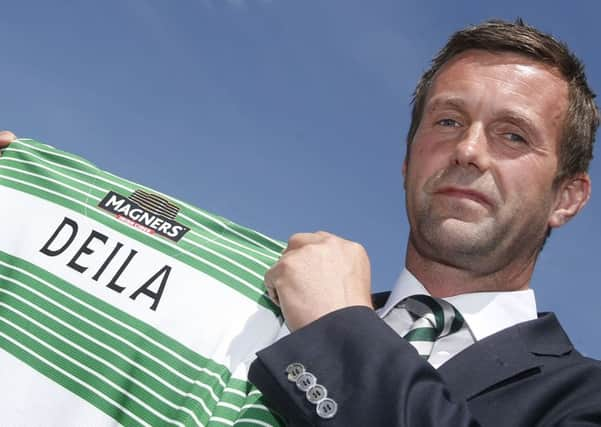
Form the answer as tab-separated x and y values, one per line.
504	357
509	355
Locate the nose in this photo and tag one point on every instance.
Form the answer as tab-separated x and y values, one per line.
472	149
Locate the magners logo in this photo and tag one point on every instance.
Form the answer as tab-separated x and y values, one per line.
147	212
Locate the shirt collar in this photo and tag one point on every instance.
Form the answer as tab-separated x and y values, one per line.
484	312
405	286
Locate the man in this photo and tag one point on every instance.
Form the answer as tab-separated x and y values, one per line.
501	137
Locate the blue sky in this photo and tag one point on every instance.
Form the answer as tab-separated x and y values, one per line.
281	115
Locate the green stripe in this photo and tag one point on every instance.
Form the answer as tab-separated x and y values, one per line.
74	189
421	334
32	166
111	182
457	321
256	239
258	267
232	398
83	338
52	153
40	352
111	319
57	352
99	358
84	392
97	328
245	410
261	415
59	171
112	361
123	346
254	281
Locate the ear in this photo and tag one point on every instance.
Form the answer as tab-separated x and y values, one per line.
572	195
405	173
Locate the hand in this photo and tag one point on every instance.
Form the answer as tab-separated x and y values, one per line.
317	274
6	137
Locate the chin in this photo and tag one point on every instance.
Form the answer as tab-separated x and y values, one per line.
458	237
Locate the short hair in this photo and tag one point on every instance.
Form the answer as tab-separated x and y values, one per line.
582	119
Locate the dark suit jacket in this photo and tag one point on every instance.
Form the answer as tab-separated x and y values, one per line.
526	375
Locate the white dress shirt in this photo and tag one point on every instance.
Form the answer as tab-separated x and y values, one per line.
485	313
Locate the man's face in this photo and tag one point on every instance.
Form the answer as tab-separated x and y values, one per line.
481	166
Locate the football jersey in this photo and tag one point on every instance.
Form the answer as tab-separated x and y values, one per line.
122	306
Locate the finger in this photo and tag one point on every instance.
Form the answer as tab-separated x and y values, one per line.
6	137
323	234
299	240
268	281
273	296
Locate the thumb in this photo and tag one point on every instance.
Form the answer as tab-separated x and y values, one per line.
6	137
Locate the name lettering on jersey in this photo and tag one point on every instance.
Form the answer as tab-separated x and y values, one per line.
146	212
108	252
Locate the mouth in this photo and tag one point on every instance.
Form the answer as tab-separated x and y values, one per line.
464	193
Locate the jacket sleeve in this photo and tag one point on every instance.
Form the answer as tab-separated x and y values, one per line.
375	378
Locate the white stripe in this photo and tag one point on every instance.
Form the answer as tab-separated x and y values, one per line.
32	141
117	337
192	208
97	199
93	356
52	170
247	406
236	391
255	406
47	178
98	176
97	375
230	248
229	406
160	239
251	421
222	421
448	315
72	377
130	190
54	151
424	322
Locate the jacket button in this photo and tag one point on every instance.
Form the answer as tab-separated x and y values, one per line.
305	381
316	394
327	408
294	370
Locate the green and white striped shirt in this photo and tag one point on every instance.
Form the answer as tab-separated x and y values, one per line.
120	306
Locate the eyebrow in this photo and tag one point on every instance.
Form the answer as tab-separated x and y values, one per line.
452	102
518	119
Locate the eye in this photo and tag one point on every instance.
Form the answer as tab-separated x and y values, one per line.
514	137
448	123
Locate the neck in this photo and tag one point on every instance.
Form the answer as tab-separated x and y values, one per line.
445	280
